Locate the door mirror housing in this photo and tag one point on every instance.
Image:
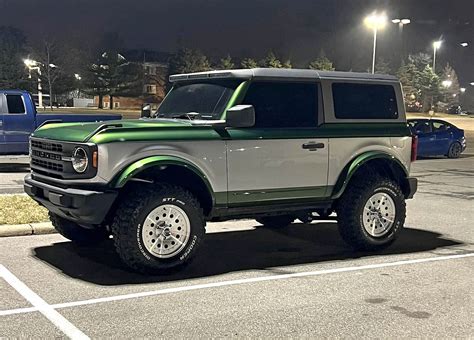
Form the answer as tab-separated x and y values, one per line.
240	116
146	111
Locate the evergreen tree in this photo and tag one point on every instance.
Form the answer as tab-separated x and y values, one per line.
225	63
186	60
287	64
382	67
429	83
420	60
451	91
409	78
13	73
271	61
248	63
322	63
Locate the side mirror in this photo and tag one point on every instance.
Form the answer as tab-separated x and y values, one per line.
240	116
146	111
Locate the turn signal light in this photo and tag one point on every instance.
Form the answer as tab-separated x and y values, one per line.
94	159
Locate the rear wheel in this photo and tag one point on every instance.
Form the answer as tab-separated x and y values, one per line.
158	228
276	221
77	233
371	213
455	150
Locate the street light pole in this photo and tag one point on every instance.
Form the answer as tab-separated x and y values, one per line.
436	45
34	65
375	21
373	53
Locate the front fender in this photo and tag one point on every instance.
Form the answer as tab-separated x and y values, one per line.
351	168
138	166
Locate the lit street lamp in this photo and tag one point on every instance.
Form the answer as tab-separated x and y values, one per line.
447	83
34	65
401	23
375	22
462	89
464	44
436	46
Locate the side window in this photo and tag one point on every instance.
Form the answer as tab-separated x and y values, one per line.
15	103
423	127
364	101
440	126
283	105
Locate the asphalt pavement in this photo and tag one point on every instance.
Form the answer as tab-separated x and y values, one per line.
250	281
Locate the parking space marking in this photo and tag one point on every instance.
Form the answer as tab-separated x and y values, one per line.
238	282
42	306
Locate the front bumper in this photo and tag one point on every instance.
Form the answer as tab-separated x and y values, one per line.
78	205
412	186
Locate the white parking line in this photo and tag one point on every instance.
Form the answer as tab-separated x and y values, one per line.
238	282
42	306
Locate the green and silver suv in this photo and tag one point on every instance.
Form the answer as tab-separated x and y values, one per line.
270	144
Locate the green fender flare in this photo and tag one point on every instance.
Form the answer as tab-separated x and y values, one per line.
142	164
351	168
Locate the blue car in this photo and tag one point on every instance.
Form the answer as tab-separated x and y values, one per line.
437	137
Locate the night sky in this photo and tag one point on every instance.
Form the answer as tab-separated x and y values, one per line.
297	29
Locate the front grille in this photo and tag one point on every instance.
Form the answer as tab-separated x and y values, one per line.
53	159
54	147
47	165
47	158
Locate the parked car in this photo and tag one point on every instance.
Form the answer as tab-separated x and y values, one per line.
18	119
454	110
256	143
437	137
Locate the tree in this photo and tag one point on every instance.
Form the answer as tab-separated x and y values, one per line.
12	49
409	78
322	63
114	75
420	60
186	60
429	83
382	67
451	90
225	63
271	61
248	63
287	64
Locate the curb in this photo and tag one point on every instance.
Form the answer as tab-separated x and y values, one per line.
42	228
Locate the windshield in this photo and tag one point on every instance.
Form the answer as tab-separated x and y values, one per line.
203	100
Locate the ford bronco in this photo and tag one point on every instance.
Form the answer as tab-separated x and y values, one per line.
268	144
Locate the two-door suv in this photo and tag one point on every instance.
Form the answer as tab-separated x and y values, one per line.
268	144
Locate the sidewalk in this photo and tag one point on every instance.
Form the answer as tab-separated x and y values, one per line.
26	229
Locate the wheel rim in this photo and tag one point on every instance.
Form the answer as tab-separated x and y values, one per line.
166	231
379	214
456	150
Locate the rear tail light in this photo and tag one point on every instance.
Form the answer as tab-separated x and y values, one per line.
414	147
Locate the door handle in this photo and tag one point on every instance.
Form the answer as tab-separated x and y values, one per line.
311	146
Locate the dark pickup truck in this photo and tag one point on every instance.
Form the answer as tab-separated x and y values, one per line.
18	119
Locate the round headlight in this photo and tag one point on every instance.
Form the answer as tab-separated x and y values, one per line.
80	160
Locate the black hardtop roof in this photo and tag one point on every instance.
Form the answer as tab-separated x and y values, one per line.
281	73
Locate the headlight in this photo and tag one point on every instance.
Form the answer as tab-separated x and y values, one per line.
80	160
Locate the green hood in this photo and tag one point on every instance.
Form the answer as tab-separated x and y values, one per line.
126	130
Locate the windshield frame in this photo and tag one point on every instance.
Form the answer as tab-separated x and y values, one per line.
235	84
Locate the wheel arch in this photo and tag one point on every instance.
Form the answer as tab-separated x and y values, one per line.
170	169
383	163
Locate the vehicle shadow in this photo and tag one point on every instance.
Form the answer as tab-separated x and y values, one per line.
260	249
11	168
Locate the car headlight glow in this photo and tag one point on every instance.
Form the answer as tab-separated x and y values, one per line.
80	160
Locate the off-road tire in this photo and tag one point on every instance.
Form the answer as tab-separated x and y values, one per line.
455	150
275	221
350	210
128	222
76	233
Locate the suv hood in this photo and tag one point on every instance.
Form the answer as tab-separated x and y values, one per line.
94	132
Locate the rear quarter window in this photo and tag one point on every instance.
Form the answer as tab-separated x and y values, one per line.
364	101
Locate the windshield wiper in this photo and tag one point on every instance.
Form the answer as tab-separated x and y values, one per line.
189	115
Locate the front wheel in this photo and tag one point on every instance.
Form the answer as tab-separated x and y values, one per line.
158	228
455	150
371	213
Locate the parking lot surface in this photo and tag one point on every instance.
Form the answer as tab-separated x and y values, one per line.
250	281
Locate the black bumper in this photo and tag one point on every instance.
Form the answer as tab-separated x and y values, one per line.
412	187
78	205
